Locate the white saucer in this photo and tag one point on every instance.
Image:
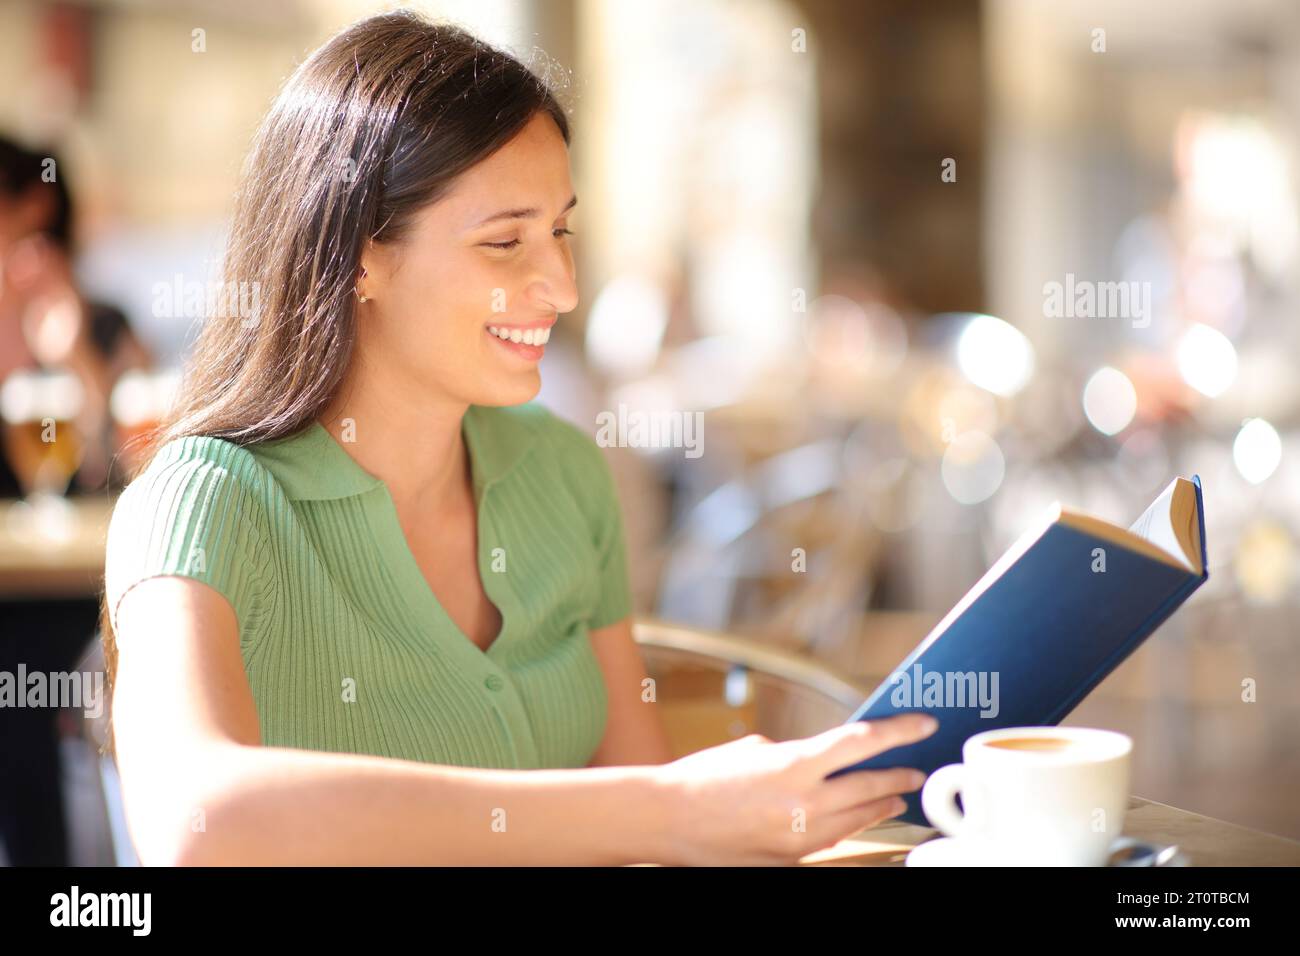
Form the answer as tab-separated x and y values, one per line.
948	851
944	851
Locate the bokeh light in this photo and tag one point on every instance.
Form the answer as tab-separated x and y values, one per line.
1264	563
626	326
840	331
973	467
1207	360
940	405
995	355
1109	400
1257	450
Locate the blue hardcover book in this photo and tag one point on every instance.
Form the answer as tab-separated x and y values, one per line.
1058	612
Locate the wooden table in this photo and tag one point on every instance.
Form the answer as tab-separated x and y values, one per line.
66	564
1205	841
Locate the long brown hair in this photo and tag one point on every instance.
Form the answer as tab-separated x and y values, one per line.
372	127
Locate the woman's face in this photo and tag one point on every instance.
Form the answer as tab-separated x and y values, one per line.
23	213
492	253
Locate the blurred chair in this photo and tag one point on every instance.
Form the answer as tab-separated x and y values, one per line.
95	731
730	562
713	687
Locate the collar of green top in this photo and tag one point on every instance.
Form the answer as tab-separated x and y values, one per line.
312	465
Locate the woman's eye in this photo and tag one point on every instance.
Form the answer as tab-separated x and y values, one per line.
514	242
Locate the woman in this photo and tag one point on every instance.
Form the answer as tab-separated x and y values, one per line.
371	607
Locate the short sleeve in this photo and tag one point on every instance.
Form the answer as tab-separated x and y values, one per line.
598	497
193	512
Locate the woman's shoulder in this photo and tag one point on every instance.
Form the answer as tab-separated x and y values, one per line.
207	452
199	463
201	508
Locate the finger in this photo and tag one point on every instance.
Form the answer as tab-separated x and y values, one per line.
856	789
840	826
848	744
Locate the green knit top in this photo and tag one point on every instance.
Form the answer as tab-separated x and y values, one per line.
345	646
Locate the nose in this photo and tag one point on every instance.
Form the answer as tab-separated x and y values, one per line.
554	286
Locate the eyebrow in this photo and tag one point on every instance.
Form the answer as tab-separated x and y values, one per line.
530	212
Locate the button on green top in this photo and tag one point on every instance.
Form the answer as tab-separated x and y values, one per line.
345	646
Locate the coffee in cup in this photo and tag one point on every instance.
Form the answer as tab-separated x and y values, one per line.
1035	796
1037	744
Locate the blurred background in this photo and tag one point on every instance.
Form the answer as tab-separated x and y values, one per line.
850	238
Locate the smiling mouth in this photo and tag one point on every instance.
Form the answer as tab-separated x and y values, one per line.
531	337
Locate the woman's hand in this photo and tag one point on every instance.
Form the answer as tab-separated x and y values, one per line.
755	802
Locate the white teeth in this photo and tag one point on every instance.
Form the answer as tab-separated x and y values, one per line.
529	337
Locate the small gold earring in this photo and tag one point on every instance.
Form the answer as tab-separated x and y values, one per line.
360	297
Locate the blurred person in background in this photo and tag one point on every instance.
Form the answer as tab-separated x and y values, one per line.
45	322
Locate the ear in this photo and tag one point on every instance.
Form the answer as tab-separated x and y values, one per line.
370	272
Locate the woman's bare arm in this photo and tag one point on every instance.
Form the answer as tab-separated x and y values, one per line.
634	732
199	788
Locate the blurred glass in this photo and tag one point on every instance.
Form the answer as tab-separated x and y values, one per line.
43	447
138	404
41	441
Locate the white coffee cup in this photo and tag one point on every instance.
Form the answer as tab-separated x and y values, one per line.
1035	796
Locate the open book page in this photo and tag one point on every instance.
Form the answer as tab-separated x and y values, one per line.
1171	523
1167	531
